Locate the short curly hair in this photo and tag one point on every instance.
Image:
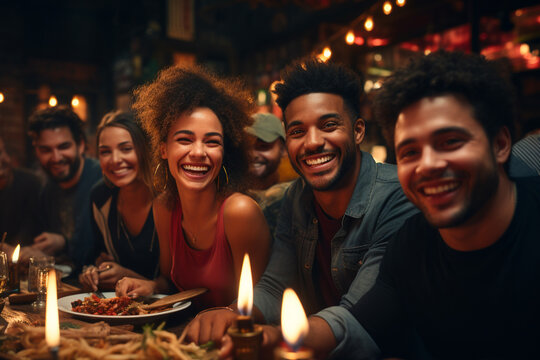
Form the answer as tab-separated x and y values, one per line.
312	75
469	76
55	117
178	90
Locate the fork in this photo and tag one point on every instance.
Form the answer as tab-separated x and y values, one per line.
99	294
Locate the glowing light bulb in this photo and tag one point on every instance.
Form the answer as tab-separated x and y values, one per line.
327	52
368	25
524	49
387	7
400	3
53	101
1	97
349	38
75	101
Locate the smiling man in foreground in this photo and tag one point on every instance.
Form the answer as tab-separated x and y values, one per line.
462	279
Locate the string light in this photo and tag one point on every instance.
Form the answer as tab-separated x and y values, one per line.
387	7
325	55
53	101
349	38
368	25
75	101
1	97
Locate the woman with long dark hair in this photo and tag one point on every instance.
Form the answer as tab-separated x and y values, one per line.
121	206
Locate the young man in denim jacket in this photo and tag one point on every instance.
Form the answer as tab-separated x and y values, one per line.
335	220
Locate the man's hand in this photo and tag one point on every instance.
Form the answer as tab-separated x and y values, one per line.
210	325
135	287
49	243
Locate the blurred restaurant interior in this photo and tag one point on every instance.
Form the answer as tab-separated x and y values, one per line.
92	53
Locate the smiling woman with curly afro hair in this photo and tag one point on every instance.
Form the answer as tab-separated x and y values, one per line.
178	90
197	123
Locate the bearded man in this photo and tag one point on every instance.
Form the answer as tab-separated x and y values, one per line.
59	142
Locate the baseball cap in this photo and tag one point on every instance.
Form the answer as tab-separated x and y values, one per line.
266	127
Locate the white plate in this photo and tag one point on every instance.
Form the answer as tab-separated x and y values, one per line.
64	305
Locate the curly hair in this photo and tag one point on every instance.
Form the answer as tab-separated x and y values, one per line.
179	90
469	76
126	120
315	76
55	117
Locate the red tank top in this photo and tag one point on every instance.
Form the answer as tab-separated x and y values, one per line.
212	268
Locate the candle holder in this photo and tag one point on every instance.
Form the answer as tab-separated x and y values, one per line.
246	337
54	352
14	283
285	352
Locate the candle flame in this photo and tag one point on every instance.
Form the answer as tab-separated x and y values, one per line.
15	257
52	327
294	324
245	290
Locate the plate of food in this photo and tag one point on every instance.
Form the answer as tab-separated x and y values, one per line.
115	309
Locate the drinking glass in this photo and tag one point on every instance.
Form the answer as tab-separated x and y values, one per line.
40	302
36	263
4	272
38	270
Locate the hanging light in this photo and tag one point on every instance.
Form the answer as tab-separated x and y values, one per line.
1	97
327	52
368	25
400	3
75	101
349	38
53	101
387	7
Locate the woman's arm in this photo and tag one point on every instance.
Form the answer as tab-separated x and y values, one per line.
247	232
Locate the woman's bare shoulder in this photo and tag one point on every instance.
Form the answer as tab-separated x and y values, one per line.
241	206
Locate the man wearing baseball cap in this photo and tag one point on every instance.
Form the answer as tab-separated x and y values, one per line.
267	150
266	153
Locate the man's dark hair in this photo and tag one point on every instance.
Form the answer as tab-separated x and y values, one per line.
315	76
469	77
55	117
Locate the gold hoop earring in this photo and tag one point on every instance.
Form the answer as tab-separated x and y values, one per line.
156	179
226	177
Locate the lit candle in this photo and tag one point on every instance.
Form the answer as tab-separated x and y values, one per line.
246	336
294	327
245	288
14	283
52	326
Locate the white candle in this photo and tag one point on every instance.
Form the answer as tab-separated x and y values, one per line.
52	325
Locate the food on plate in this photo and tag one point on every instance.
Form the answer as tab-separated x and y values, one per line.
122	305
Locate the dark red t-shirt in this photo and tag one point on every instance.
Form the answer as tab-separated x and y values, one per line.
328	227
